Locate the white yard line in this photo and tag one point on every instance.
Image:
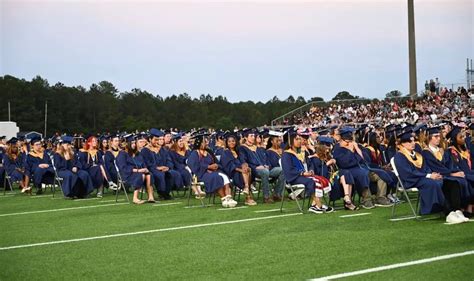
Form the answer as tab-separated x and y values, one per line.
41	196
235	208
267	211
165	204
355	215
198	206
144	232
393	266
402	219
59	210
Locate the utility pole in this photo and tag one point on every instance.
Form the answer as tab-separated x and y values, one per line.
469	74
45	117
412	48
9	119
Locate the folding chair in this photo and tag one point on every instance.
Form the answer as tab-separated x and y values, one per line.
195	183
120	185
402	189
7	180
292	188
57	179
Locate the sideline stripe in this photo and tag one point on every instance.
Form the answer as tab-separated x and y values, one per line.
393	266
404	218
355	215
59	210
165	204
268	211
41	196
143	232
235	208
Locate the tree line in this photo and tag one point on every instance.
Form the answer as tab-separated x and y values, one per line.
102	108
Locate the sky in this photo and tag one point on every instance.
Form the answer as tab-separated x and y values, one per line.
243	50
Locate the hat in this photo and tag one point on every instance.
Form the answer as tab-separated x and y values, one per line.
156	133
66	139
35	140
433	130
323	132
346	133
12	141
453	133
129	137
406	136
2	137
326	140
177	136
247	132
420	127
142	136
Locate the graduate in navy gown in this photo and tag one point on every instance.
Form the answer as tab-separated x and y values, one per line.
414	172
38	166
14	164
179	155
133	169
91	160
248	154
462	160
110	157
349	159
204	166
239	172
76	183
295	172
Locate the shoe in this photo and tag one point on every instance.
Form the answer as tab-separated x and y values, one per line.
139	202
268	200
327	209
461	216
467	215
167	197
453	218
151	201
39	191
99	194
225	202
250	202
277	198
295	194
253	189
349	206
367	204
315	209
112	185
383	202
231	202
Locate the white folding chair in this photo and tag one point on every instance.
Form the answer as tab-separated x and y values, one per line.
404	190
293	188
120	185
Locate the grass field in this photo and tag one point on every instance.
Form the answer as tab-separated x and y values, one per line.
167	241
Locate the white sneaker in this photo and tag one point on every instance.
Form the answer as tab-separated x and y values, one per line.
295	193
231	202
461	216
225	202
453	218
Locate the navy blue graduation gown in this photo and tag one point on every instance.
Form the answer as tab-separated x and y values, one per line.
431	193
126	164
179	164
159	178
77	184
172	177
14	168
262	155
292	168
229	165
198	164
349	166
273	158
109	158
446	167
39	175
91	164
250	157
374	165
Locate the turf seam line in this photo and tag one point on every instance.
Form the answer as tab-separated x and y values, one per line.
405	218
235	208
267	211
58	210
355	215
165	204
393	266
144	232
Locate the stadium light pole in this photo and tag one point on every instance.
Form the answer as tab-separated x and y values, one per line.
412	48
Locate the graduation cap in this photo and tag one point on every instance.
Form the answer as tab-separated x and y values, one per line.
453	133
156	133
406	136
433	130
346	133
323	132
471	126
247	132
326	140
142	136
129	137
35	139
66	139
419	128
273	133
2	137
12	141
21	138
314	129
177	136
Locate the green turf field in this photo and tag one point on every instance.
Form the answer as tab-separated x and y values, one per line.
178	243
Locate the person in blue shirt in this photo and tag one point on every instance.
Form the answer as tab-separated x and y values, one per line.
76	183
203	164
349	159
38	166
14	164
248	154
415	172
462	160
295	172
239	172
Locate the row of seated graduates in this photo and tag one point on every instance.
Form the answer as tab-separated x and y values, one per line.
372	136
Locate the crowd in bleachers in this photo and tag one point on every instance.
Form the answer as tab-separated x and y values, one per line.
322	158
